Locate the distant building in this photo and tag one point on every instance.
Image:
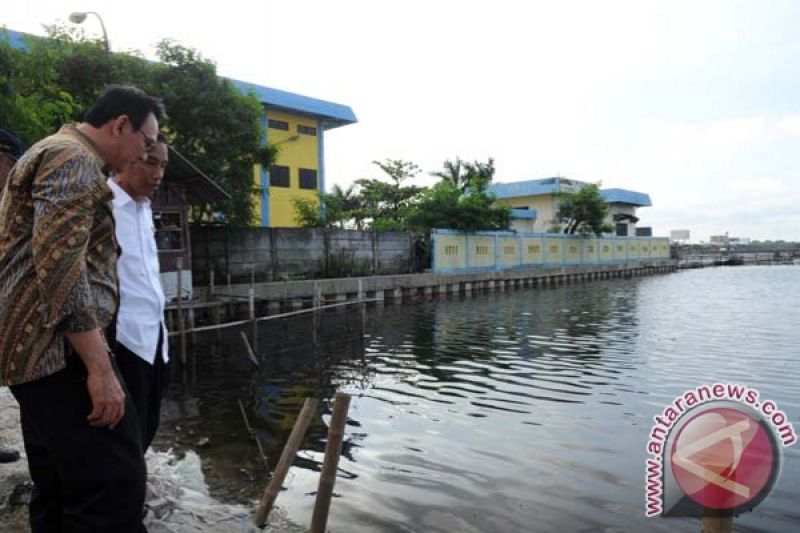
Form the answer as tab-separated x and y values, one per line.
534	204
725	240
679	235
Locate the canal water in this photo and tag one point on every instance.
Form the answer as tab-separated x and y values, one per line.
526	410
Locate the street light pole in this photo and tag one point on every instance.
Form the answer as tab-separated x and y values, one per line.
78	17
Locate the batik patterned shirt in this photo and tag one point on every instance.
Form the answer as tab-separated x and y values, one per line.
58	254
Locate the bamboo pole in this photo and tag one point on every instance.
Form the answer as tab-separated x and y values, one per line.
253	434
333	450
230	298
287	457
181	323
250	353
275	317
317	301
252	306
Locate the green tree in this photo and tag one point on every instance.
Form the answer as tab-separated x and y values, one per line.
583	211
386	204
446	207
210	122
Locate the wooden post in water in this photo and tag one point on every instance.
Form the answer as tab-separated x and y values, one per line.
250	354
181	322
213	300
317	302
717	523
230	297
289	452
363	307
252	305
327	477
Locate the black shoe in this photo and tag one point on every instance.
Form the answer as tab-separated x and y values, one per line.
8	455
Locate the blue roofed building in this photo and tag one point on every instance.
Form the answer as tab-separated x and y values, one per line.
297	125
534	204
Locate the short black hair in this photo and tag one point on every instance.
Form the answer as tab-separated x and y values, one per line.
10	144
117	100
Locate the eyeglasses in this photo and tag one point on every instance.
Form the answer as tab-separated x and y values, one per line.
148	142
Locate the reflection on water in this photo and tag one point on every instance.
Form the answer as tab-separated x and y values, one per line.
518	411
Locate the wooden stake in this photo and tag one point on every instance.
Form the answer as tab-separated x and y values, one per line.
250	352
287	457
181	323
252	305
230	297
253	434
333	450
716	523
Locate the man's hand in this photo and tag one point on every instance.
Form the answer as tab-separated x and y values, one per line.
108	400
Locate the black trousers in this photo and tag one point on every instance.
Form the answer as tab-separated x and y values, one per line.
146	384
86	479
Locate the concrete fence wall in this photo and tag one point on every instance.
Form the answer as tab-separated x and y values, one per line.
483	251
271	254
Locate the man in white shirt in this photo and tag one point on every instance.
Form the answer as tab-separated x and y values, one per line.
140	336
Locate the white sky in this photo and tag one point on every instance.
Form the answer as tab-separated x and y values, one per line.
693	102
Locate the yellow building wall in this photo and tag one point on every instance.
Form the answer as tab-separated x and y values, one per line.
480	251
532	250
589	254
296	151
544	205
554	250
455	251
661	247
644	248
573	251
450	252
633	249
606	249
508	251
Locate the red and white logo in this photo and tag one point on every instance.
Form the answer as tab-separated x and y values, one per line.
724	458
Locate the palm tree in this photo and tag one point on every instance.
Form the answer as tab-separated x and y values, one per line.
479	175
454	172
342	205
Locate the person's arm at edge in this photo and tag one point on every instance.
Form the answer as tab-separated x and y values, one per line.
63	198
108	399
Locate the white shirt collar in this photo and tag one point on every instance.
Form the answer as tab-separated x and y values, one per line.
121	197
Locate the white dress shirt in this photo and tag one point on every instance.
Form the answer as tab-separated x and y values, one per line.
141	307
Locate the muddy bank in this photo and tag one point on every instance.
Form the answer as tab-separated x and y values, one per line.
178	498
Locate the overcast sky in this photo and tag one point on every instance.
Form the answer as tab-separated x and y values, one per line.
694	102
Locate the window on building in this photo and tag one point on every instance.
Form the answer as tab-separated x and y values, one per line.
308	178
622	229
306	130
278	125
278	176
